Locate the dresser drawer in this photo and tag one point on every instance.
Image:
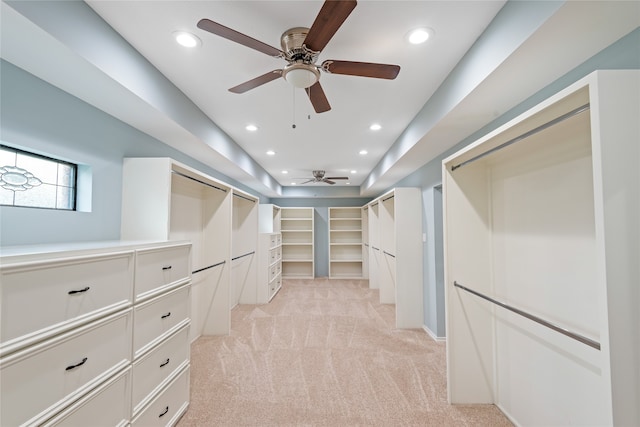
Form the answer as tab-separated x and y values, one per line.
167	407
157	366
50	375
106	406
63	293
273	272
158	317
158	269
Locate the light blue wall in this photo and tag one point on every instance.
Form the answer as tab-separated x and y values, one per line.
41	118
320	224
624	54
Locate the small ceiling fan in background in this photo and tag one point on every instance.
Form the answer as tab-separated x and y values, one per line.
318	176
301	48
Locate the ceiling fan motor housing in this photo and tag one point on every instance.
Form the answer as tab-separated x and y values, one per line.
301	71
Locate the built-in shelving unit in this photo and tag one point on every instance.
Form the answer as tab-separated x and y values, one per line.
163	199
364	212
270	253
541	215
345	242
395	265
297	242
244	248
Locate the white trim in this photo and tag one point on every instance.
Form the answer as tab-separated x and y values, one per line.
434	336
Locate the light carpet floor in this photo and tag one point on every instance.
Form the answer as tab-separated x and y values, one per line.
323	353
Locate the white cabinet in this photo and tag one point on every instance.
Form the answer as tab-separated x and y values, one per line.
165	200
345	242
72	349
270	266
542	215
269	218
297	243
395	263
244	249
270	253
375	256
365	242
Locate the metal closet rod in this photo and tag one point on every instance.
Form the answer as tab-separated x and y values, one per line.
242	256
197	180
208	267
563	331
243	197
527	134
390	197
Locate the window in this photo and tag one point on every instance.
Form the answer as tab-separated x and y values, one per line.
32	180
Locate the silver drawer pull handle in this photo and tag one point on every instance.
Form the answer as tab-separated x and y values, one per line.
164	316
168	267
68	368
165	363
164	412
79	291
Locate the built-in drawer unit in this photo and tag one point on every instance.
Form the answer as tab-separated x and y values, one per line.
156	318
157	367
40	299
168	406
48	376
114	394
159	269
68	352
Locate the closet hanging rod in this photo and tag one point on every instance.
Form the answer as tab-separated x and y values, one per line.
563	331
527	134
375	249
243	197
242	256
390	197
387	253
206	268
197	180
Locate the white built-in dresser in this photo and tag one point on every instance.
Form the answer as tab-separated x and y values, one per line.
95	334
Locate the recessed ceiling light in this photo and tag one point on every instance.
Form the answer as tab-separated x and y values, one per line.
419	35
271	153
375	126
293	183
353	172
251	128
363	152
285	172
347	183
186	39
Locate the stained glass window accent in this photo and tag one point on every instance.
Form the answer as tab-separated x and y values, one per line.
32	180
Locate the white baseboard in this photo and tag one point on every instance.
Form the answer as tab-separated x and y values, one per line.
434	336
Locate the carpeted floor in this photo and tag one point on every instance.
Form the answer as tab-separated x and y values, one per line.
323	353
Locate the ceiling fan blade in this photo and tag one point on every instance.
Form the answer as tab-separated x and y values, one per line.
328	181
329	19
337	177
306	182
318	98
233	35
258	81
362	69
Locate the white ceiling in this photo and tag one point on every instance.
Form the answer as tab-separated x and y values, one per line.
374	32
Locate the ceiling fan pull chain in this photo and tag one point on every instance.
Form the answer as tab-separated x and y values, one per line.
294	107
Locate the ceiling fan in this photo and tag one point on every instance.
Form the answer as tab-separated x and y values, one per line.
300	48
318	176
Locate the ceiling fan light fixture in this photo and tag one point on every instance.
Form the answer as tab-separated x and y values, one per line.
301	75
